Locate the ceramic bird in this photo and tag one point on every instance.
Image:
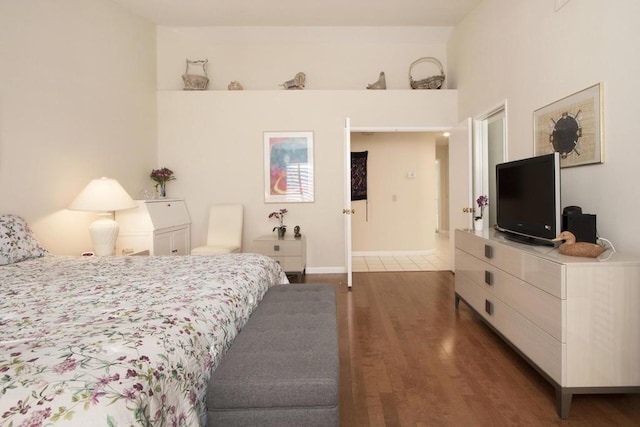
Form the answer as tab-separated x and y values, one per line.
573	248
381	83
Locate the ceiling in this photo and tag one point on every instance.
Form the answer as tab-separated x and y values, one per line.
301	13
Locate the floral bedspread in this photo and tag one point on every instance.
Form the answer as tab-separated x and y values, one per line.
120	341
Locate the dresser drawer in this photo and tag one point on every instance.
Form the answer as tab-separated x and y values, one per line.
573	318
278	247
543	349
521	263
289	252
540	307
546	275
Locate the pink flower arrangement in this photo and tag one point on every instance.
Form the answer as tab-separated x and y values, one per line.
279	215
482	202
162	175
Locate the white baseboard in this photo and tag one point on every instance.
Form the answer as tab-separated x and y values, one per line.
326	270
392	253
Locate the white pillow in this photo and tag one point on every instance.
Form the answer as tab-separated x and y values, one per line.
17	242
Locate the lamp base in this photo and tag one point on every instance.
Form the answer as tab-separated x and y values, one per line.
104	233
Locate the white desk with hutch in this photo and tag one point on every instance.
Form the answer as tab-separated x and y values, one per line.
576	320
161	226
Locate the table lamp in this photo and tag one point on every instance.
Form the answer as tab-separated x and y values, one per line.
103	195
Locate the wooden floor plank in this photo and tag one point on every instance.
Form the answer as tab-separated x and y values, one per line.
408	358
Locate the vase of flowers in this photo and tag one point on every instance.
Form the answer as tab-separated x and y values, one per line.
279	215
161	177
482	202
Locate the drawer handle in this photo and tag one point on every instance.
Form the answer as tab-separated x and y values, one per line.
276	247
168	205
488	251
488	278
488	306
174	251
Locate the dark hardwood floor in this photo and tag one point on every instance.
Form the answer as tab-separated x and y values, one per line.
408	358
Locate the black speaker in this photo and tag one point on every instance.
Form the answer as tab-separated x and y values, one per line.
583	226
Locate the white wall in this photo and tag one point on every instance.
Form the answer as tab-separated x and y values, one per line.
401	210
78	81
530	54
213	140
77	101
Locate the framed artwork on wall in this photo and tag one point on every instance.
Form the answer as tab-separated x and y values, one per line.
288	167
572	126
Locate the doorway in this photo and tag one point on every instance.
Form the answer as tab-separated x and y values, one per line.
490	148
401	226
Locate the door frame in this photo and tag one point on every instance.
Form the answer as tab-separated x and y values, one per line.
460	188
480	149
346	211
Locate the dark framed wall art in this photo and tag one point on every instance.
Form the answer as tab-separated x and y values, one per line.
571	126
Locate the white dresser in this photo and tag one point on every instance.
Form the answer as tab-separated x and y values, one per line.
290	253
161	226
576	320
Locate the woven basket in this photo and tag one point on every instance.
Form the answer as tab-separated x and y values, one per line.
433	82
196	81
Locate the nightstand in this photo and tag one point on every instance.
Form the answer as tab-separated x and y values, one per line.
290	253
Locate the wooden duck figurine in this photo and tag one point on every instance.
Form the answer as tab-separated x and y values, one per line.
573	248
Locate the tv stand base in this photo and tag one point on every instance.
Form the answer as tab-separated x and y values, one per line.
550	308
564	395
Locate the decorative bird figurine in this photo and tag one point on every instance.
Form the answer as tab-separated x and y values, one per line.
380	84
573	248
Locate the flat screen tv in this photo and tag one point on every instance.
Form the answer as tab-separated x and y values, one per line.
528	199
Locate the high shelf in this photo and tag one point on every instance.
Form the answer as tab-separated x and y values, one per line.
576	320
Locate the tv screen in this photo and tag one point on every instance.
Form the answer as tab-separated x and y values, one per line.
528	198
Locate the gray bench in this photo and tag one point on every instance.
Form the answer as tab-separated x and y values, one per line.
283	367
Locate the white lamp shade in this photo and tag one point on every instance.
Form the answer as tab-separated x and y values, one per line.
102	195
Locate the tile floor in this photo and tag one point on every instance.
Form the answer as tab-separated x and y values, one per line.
439	260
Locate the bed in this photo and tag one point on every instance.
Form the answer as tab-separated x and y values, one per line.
117	341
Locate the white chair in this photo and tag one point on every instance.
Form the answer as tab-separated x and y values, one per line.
225	230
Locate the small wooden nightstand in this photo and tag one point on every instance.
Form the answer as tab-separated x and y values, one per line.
290	253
